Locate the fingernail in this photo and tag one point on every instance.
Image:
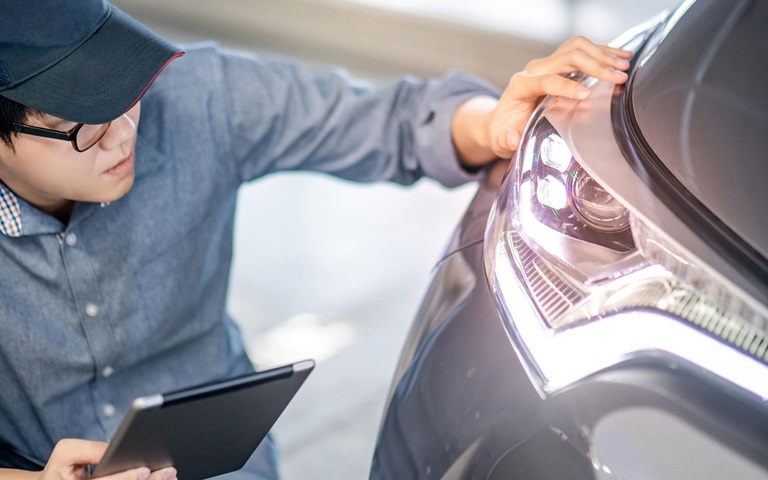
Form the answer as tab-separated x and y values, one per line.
582	91
143	473
169	473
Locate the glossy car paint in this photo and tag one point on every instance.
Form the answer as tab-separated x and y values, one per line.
704	78
463	404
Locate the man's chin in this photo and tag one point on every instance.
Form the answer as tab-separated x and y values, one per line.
116	193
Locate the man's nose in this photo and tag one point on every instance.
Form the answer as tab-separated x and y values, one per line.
123	129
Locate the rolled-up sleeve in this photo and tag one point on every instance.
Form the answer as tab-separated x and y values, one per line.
282	116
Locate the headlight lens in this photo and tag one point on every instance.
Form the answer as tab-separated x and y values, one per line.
563	198
602	285
596	207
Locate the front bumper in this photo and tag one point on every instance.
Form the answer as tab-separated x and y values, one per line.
462	404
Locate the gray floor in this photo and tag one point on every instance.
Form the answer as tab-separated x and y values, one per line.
334	271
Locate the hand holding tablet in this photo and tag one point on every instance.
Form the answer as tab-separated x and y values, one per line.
205	430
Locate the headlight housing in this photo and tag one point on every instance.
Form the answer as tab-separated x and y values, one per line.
585	283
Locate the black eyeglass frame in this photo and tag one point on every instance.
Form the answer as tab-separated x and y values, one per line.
70	135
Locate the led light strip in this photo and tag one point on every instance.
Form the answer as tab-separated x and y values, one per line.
559	360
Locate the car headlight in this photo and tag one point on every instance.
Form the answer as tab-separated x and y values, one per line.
584	283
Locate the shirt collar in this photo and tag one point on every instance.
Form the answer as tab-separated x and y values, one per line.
19	218
10	213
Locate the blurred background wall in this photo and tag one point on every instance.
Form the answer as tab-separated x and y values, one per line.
334	271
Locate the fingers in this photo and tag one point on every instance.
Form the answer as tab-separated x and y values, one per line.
164	474
78	452
530	87
579	54
607	68
143	473
550	76
70	456
582	43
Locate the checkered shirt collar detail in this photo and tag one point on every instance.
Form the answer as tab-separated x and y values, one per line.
10	213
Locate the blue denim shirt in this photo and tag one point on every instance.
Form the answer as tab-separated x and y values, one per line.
128	299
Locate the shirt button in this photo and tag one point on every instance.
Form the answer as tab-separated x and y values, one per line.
91	310
71	239
108	410
107	372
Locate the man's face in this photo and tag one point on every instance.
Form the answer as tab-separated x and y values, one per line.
50	174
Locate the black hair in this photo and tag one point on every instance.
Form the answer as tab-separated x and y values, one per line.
11	112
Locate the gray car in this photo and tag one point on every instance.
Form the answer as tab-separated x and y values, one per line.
601	314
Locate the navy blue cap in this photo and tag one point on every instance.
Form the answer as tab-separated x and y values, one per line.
81	60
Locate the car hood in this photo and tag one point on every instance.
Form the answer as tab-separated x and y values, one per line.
700	104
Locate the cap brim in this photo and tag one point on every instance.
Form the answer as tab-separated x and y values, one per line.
102	78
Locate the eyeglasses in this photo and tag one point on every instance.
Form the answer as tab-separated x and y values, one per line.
82	135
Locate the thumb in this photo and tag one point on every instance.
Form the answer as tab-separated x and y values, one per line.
512	139
78	452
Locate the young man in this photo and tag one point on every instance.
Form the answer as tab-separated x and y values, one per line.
116	216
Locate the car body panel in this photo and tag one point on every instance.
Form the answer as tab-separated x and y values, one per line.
694	102
467	400
465	407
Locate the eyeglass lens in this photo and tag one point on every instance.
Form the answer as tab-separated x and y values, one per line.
89	135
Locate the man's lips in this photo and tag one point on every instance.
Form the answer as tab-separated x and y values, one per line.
124	166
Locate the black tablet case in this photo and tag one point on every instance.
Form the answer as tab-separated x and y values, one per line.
205	430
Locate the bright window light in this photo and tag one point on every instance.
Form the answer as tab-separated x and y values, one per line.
545	20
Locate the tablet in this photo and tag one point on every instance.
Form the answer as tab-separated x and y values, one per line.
205	430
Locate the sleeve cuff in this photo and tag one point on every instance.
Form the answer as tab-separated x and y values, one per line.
437	154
